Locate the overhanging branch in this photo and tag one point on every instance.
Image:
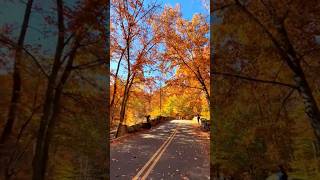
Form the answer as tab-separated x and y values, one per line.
254	79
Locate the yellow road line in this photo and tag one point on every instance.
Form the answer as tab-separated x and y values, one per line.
157	159
163	146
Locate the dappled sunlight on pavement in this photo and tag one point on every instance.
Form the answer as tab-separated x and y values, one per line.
187	157
184	121
188	148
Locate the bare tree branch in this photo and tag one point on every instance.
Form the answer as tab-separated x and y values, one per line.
11	44
89	64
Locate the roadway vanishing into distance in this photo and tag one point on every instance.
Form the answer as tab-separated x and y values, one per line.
176	149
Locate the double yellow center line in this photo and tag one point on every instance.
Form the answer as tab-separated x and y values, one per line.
147	168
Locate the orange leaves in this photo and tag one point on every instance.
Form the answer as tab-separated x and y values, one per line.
186	44
160	44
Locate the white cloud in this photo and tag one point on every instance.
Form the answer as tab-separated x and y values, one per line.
206	4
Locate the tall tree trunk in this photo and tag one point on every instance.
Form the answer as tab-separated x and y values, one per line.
112	108
16	87
41	156
289	55
206	94
124	103
115	81
124	100
121	129
310	104
47	133
203	85
46	123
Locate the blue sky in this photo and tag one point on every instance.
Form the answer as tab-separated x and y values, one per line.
12	13
188	7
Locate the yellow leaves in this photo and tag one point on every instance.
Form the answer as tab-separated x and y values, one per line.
170	11
130	119
196	20
155	112
184	42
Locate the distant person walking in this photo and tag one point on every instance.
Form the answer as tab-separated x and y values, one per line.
148	118
198	118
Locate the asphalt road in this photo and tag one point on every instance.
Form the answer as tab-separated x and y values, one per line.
173	150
